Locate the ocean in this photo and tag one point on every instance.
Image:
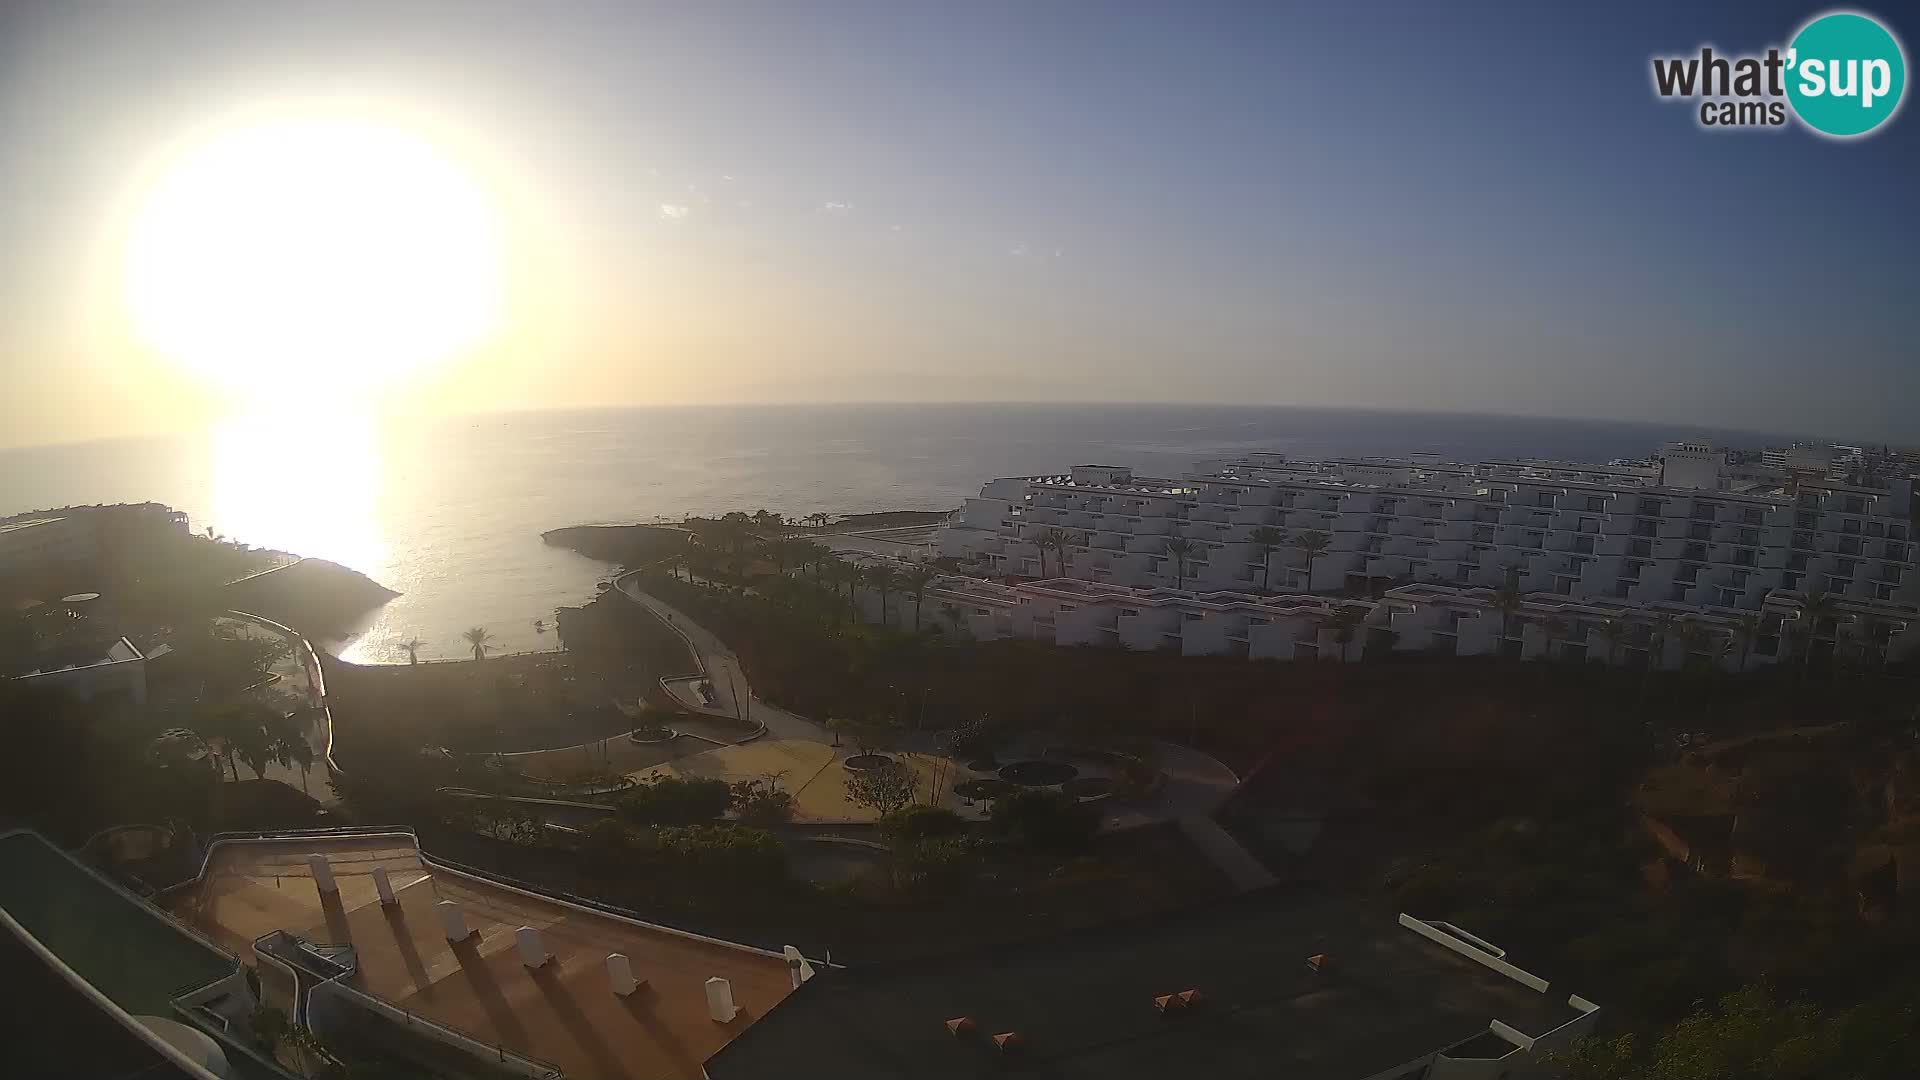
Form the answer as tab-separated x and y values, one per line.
450	512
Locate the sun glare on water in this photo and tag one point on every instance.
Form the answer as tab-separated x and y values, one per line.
325	257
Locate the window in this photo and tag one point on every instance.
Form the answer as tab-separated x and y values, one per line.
1688	573
1696	552
1705	511
1850	527
1649	508
1750	537
1545	499
1699	532
1596	503
1806	521
1743	557
1641	548
1856	505
1752	515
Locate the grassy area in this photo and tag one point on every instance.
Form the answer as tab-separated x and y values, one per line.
1014	897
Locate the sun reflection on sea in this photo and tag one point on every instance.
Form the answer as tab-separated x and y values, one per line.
302	482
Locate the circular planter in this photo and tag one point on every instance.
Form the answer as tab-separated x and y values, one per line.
652	736
859	762
983	789
1038	773
1088	787
985	764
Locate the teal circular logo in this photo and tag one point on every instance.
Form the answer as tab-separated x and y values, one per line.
1846	74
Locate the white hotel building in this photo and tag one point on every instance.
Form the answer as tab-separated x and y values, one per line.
1601	552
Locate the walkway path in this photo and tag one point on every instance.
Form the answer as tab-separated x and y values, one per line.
724	672
1196	784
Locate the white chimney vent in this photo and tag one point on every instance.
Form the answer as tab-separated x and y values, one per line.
797	966
322	872
620	974
720	1004
453	920
383	886
533	951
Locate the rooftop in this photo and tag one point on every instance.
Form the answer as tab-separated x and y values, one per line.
15	526
562	1012
1083	1004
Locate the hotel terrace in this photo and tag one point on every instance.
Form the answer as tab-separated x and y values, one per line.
361	937
1609	558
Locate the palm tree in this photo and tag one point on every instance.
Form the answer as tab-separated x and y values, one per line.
1311	544
1268	539
1817	607
1556	629
953	615
413	646
1178	548
479	637
1741	634
1051	538
853	575
1508	601
1343	621
882	578
1611	631
1691	636
917	581
1060	545
1658	631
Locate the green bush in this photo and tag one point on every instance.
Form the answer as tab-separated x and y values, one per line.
934	865
762	803
1044	820
724	855
915	823
672	800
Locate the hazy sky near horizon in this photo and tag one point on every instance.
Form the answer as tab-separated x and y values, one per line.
1457	207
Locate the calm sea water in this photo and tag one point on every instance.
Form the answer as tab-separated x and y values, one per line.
451	513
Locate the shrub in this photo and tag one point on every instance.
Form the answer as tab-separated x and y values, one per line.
1044	820
725	855
883	788
914	823
934	865
673	800
268	1024
761	802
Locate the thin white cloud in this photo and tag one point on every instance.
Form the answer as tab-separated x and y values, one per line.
672	211
836	207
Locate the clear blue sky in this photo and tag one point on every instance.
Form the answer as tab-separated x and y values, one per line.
1464	207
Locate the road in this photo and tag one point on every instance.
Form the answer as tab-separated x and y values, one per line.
724	672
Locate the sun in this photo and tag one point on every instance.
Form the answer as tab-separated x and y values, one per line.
324	254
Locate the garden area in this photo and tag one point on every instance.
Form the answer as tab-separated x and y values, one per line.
720	858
